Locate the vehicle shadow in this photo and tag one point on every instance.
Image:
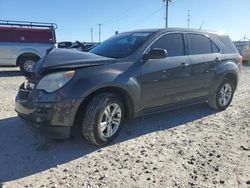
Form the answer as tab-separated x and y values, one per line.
163	121
25	152
10	73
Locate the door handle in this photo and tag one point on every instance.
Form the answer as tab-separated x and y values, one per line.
217	59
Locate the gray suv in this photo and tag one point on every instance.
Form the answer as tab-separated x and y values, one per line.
129	75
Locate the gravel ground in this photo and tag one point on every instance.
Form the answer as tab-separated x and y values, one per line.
190	147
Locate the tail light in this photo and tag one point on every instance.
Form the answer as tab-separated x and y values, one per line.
241	60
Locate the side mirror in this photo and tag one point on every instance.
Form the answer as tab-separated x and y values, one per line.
155	53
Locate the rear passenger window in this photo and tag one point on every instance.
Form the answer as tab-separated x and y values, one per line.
173	43
199	44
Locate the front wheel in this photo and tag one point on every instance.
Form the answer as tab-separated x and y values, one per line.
223	96
103	118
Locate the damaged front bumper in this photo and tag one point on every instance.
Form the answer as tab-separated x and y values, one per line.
49	113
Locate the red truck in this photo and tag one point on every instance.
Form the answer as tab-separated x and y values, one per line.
24	43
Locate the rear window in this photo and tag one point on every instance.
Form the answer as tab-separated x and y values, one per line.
227	45
199	44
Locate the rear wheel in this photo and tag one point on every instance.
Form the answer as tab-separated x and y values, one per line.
103	118
223	96
27	64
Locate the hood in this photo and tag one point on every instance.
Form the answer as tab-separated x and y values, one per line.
69	59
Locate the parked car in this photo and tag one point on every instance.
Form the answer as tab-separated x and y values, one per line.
244	49
83	46
24	43
64	44
129	75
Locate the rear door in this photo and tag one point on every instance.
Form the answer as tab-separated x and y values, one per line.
166	81
204	58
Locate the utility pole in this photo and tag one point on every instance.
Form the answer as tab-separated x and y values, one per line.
91	30
167	3
100	30
188	20
201	25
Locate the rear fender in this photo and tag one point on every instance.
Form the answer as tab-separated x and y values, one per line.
224	69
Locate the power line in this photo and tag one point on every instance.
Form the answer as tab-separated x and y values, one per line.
145	18
126	12
174	2
156	11
121	16
167	4
115	18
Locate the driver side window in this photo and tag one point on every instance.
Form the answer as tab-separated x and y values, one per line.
173	43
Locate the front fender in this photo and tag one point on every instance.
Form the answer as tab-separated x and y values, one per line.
90	80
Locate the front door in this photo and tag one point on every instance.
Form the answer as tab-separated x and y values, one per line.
166	81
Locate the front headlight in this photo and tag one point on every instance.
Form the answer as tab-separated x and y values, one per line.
55	81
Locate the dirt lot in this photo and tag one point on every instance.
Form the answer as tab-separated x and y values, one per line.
190	147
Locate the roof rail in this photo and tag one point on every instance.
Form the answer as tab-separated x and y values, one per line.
28	24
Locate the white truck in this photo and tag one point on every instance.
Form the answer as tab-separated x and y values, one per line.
24	43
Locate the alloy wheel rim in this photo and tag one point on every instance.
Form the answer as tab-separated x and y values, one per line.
28	65
225	94
110	120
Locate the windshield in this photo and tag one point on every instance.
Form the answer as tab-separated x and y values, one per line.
121	45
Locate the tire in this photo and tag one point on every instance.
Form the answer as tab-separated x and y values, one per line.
26	64
215	101
95	119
